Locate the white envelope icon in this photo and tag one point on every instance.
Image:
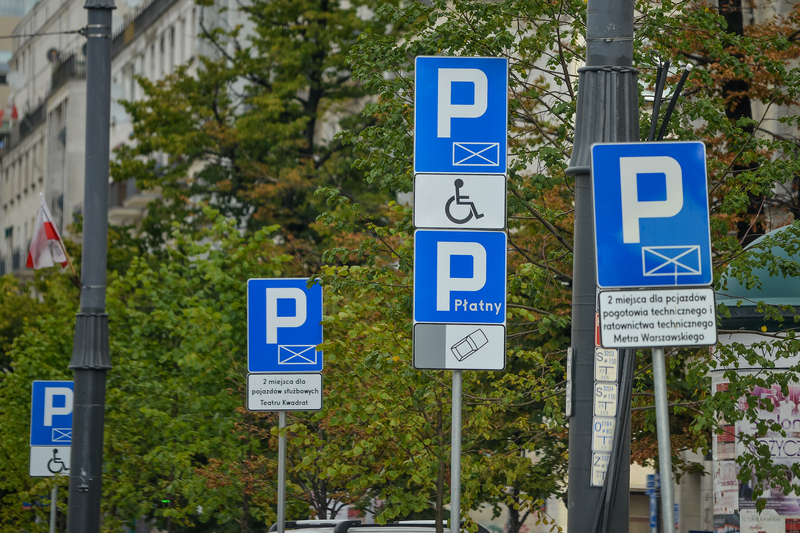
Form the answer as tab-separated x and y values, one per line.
62	434
671	260
297	355
476	154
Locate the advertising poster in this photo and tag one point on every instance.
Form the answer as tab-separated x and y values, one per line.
724	444
726	523
766	522
726	487
782	511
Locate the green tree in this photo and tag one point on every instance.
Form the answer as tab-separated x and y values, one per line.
252	130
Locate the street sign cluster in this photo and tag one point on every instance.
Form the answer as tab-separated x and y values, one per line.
604	419
460	246
653	244
284	328
51	428
652	232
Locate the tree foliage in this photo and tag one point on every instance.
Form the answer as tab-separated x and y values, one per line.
256	182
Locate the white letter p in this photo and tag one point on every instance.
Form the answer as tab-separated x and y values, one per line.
447	109
446	284
50	410
632	209
274	321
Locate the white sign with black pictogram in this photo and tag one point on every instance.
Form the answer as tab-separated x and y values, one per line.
605	364
602	433
444	201
459	347
599	468
605	399
47	461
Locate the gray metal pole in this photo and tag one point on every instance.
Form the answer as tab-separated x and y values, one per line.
607	111
53	510
281	471
664	447
455	456
90	353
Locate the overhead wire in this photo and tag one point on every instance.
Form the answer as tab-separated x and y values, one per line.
80	31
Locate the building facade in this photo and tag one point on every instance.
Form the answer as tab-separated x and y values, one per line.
44	149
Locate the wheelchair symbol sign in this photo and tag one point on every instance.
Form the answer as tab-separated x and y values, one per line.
444	201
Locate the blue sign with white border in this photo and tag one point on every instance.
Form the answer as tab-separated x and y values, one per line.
651	214
460	277
51	413
284	325
461	115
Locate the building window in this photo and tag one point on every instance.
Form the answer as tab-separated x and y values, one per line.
153	61
161	58
132	68
172	48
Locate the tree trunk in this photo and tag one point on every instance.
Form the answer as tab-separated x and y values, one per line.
245	514
737	106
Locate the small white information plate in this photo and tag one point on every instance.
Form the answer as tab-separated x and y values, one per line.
658	318
453	201
568	402
606	361
599	468
602	433
605	399
284	392
47	461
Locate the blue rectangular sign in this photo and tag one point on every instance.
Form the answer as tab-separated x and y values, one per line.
51	413
284	325
460	277
651	214
461	115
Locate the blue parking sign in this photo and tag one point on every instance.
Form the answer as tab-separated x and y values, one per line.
460	277
651	214
461	115
284	325
51	413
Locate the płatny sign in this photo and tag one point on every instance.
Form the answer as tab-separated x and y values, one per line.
284	392
658	318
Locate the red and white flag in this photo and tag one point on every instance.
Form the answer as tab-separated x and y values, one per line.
47	248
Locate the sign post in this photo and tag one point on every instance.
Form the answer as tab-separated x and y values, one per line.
284	328
652	230
51	434
460	146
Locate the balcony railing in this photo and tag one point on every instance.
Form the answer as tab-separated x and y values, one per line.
67	69
137	22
